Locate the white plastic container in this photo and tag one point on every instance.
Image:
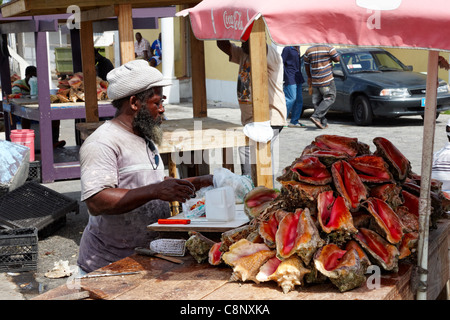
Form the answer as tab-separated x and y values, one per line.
33	87
220	204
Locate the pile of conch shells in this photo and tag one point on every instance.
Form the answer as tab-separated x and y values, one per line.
340	209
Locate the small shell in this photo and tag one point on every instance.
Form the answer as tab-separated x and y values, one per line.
246	258
342	267
288	274
383	253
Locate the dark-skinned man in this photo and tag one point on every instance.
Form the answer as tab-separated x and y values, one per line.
122	174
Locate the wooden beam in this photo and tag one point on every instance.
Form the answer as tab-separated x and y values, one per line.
19	27
260	96
199	101
125	20
99	13
14	8
45	7
89	74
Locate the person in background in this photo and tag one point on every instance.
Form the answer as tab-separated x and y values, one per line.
277	100
318	65
441	163
156	50
102	65
122	173
23	86
292	86
142	48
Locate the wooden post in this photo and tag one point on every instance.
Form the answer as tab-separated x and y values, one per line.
199	101
260	96
174	205
427	158
89	74
125	21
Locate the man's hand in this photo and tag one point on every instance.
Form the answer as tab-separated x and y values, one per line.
175	190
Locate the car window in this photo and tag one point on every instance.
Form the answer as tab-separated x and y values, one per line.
387	62
359	62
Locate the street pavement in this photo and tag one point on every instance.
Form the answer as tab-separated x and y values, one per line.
406	133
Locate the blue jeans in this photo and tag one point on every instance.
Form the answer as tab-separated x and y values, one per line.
294	101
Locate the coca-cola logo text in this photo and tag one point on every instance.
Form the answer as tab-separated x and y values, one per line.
233	20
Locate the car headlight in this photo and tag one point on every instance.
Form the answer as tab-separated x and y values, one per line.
397	92
443	88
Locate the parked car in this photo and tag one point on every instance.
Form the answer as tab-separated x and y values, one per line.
374	83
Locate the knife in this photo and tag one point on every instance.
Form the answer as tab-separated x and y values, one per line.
151	253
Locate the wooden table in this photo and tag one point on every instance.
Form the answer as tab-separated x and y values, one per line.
162	280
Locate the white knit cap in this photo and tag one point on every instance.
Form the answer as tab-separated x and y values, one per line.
133	77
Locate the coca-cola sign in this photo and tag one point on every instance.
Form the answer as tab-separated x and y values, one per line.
233	20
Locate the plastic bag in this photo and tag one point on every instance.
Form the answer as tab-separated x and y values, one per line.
241	184
195	207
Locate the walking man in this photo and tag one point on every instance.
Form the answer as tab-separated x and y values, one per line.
318	65
292	86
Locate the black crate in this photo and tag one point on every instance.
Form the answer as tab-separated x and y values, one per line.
18	249
33	205
34	172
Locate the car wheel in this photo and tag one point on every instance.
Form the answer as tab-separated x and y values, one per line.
362	111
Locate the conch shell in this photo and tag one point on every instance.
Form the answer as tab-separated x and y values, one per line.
384	254
268	228
287	273
334	216
310	170
348	184
337	143
387	220
246	258
297	233
301	195
408	244
388	192
371	169
257	200
215	255
342	267
399	165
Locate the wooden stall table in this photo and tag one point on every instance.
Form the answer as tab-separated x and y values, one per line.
29	109
157	279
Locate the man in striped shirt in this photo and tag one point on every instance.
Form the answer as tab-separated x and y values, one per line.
318	65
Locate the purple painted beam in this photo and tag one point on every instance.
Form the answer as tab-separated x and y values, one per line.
45	123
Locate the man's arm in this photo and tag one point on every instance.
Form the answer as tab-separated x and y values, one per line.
225	46
112	201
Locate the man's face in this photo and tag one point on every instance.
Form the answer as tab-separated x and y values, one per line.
138	37
149	117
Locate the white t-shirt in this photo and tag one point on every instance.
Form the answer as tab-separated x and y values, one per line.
140	47
112	157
